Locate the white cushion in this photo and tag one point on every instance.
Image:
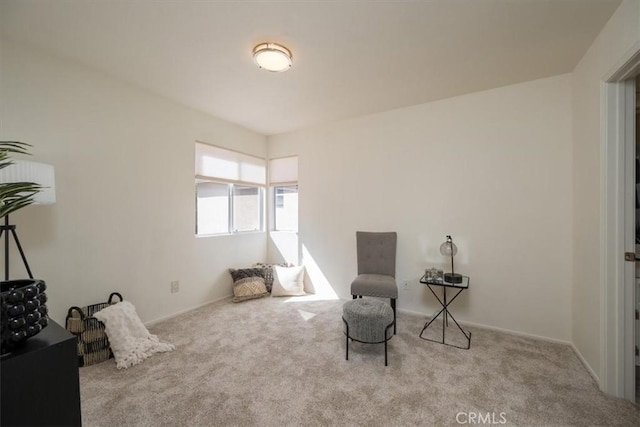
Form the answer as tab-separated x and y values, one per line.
288	281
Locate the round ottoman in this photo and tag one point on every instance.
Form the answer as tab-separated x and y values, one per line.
368	321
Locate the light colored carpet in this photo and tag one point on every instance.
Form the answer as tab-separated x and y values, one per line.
276	362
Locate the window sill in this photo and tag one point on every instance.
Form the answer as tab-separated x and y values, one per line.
239	233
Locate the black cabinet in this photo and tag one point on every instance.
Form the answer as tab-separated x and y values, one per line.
40	381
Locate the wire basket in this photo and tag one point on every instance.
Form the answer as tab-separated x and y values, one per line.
93	344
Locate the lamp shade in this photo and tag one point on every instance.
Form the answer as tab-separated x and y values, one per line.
272	57
448	248
38	173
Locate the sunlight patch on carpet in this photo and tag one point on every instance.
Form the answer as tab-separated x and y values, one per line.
306	315
311	297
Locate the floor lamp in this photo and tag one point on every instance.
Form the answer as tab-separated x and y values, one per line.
26	171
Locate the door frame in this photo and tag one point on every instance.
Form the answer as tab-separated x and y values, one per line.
617	222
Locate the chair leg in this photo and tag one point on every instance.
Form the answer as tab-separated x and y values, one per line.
355	296
393	306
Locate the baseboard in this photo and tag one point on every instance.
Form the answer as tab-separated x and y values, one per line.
518	333
494	328
586	365
171	316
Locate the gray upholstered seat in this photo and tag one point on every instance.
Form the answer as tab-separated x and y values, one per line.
374	285
376	254
368	321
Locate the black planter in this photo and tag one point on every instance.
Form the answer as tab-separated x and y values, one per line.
24	311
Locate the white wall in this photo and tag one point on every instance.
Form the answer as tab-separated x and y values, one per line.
616	38
492	168
124	162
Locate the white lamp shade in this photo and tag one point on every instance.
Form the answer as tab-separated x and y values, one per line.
38	173
272	57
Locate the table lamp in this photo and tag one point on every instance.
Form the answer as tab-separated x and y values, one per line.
450	249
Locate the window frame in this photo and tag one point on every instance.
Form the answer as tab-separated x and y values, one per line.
231	227
225	166
232	210
283	172
275	208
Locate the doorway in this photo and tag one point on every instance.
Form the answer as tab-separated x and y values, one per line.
637	222
618	225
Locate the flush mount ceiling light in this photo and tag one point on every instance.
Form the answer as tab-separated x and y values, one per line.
272	57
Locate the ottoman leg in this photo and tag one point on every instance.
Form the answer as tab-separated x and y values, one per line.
393	306
385	353
346	337
386	334
347	340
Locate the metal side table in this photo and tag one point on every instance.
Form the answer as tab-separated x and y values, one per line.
444	312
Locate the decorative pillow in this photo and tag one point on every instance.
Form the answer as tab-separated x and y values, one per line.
248	283
237	274
288	281
267	270
249	288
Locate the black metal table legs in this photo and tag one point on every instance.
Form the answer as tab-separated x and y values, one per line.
446	314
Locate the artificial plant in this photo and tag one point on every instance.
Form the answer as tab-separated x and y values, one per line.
15	195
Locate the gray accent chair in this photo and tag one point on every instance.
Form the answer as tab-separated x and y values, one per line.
376	267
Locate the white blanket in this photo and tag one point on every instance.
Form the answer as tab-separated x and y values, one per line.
129	339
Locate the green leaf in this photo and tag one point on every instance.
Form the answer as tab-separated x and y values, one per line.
15	195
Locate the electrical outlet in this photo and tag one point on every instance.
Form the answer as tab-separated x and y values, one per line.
175	286
405	285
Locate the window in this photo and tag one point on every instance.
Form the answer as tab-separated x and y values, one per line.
229	191
283	178
247	208
286	208
212	208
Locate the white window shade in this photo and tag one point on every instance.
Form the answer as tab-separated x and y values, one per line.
283	171
232	166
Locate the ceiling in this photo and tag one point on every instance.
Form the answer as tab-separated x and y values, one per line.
350	58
